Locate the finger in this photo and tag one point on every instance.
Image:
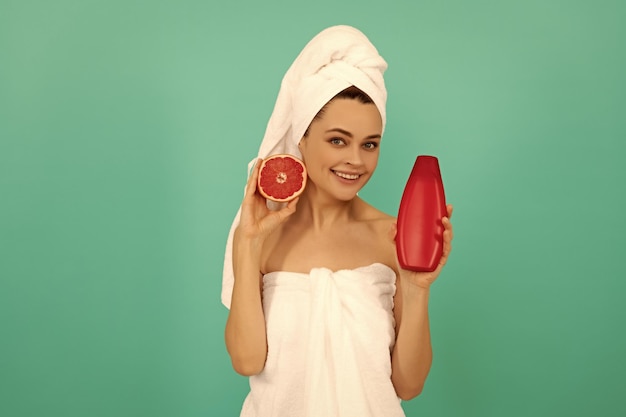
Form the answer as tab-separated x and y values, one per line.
437	271
282	214
447	244
442	262
289	209
447	224
275	218
393	231
450	208
447	248
252	180
293	203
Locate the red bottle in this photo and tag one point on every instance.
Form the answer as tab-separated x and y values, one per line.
419	241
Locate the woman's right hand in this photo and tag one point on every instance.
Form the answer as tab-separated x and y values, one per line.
246	338
257	221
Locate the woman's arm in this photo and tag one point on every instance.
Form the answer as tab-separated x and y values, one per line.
412	353
245	335
245	328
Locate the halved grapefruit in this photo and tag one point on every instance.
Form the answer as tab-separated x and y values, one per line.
282	178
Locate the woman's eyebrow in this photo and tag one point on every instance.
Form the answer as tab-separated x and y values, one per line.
350	135
336	129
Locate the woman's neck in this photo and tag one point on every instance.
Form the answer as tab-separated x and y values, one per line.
323	211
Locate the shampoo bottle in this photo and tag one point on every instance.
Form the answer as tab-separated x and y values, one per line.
419	240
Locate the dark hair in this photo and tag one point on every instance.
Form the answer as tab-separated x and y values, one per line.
350	93
353	93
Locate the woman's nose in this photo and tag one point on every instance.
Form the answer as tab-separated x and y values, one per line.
354	156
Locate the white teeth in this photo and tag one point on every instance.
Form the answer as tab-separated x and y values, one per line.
347	176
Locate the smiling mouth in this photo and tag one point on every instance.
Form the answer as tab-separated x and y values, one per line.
346	176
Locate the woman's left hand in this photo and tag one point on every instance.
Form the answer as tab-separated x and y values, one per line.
425	279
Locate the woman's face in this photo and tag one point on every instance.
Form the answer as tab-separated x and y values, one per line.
342	147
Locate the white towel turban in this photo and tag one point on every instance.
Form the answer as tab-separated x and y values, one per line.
335	59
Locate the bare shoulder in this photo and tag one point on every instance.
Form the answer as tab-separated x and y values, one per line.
368	213
380	224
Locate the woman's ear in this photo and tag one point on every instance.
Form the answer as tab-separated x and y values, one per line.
302	147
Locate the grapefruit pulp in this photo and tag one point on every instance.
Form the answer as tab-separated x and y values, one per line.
281	178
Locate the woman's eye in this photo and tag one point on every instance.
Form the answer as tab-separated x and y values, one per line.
370	145
336	141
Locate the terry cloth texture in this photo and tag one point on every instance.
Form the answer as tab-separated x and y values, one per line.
329	336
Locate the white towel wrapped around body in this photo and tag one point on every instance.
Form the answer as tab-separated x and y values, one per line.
335	59
330	336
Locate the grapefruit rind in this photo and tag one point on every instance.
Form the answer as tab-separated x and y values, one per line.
282	178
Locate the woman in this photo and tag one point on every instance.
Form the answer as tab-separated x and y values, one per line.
322	318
